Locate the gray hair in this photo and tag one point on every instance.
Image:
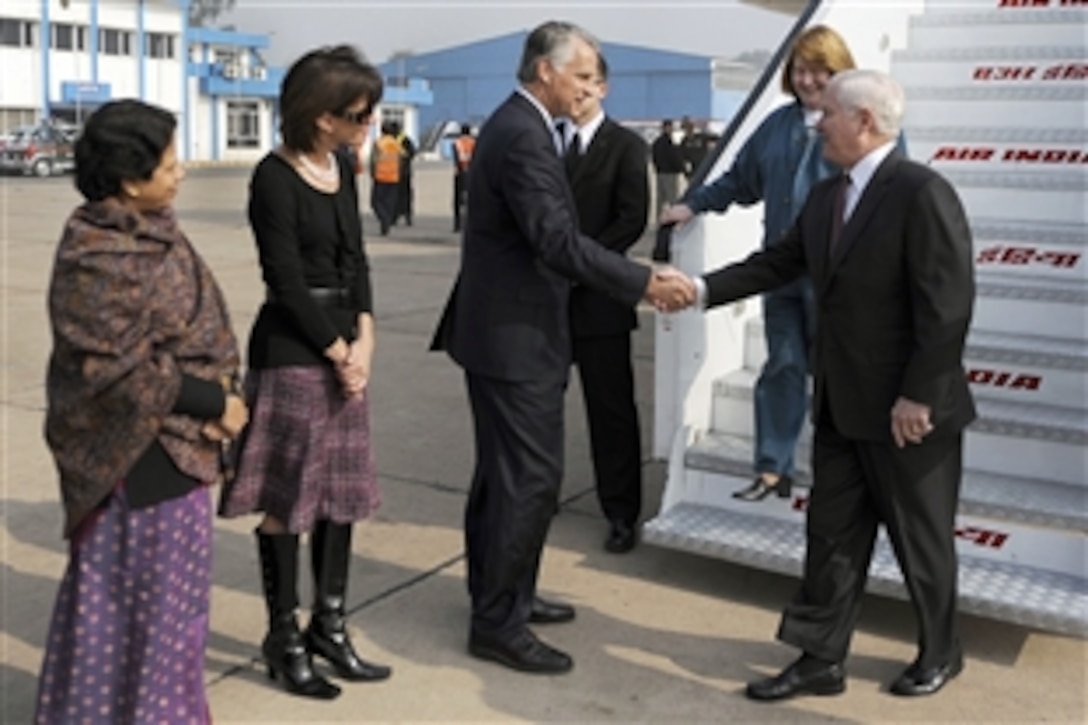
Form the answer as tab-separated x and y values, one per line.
551	41
874	91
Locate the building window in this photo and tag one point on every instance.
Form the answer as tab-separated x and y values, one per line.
243	124
68	37
115	42
160	45
18	33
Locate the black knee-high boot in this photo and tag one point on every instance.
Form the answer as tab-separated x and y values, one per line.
330	553
284	650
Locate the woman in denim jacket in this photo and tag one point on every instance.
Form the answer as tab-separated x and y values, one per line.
778	165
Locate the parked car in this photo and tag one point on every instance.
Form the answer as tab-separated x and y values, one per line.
41	150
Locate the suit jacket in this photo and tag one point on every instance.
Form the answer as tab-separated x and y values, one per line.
612	193
508	315
894	299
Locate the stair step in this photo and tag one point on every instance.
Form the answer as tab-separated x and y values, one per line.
1041	107
1018	250
1025	595
1030	306
943	28
1000	150
988	495
1033	66
1052	196
1000	366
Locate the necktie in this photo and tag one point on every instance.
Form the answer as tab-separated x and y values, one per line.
838	211
561	137
574	153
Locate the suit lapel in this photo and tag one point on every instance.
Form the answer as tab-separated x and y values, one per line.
870	200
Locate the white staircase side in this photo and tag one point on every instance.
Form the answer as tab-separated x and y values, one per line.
984	495
1031	441
996	27
1023	594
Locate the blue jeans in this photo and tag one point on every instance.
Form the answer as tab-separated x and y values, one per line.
781	394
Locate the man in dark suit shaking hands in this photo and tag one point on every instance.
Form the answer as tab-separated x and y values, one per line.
607	168
507	323
889	251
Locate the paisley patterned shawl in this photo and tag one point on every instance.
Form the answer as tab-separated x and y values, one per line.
132	307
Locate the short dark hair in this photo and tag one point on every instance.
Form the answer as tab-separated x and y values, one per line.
121	141
602	67
326	80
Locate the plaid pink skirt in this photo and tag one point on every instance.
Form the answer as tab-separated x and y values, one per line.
305	455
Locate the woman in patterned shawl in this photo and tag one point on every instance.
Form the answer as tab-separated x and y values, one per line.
139	407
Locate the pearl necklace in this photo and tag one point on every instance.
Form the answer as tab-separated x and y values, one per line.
328	175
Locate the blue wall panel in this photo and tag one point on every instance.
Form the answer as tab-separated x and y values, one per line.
469	81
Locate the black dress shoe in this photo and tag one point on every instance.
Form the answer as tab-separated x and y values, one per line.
621	538
760	489
917	680
827	679
523	652
545	612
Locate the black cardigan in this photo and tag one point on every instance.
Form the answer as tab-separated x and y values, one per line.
305	239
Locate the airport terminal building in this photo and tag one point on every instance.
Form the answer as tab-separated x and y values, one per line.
61	59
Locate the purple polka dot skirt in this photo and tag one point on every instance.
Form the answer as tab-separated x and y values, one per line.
126	644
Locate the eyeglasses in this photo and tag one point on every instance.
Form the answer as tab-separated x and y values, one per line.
356	117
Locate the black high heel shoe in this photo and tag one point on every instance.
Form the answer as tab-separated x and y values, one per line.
760	489
287	660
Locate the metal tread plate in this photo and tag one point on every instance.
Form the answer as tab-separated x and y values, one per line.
1019	231
948	134
988	495
934	17
1052	180
1017	594
1022	52
995	93
1038	351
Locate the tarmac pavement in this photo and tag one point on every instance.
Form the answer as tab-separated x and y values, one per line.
661	636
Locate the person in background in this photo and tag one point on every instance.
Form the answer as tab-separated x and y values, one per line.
606	165
385	173
305	461
888	248
405	192
507	325
695	146
463	147
778	165
668	166
139	405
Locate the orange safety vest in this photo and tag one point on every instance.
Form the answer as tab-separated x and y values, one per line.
387	160
463	146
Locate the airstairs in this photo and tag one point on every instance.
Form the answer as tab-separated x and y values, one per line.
996	103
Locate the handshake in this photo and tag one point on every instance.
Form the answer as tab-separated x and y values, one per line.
670	290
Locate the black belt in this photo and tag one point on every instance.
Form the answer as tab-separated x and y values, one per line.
324	296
